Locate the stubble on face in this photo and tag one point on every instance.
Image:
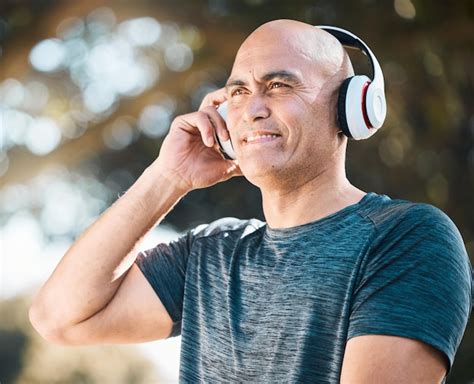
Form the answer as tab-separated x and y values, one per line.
322	64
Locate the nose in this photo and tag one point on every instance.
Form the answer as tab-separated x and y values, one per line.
255	108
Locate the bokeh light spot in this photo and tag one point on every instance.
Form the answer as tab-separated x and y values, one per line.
405	9
142	31
98	98
22	225
76	51
118	135
48	55
43	136
61	210
15	125
69	28
178	57
154	120
101	21
12	93
14	198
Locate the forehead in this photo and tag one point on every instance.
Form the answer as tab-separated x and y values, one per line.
260	56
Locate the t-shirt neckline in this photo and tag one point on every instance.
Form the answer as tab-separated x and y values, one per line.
274	233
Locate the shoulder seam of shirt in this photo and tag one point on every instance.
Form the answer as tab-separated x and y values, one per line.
249	223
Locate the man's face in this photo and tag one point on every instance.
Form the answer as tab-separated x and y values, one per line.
280	116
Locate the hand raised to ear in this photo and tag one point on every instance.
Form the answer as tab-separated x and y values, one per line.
189	154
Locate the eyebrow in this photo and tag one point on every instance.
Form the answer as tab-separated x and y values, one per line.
280	74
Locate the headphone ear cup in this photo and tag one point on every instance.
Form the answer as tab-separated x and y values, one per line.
341	107
353	108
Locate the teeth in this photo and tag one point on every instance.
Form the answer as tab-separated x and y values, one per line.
253	138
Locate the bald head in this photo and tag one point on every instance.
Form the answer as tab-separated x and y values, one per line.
310	45
282	96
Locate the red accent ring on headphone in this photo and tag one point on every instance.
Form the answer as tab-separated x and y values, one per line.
364	104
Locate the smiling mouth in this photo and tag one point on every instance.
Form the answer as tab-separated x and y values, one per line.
260	138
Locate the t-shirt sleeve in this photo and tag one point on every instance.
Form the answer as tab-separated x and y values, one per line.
164	266
415	282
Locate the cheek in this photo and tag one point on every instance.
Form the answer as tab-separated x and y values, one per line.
297	107
235	104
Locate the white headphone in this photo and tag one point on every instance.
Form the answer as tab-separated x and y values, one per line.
361	106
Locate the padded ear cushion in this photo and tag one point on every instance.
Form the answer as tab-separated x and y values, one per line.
341	107
356	120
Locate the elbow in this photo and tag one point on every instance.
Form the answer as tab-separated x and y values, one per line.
49	329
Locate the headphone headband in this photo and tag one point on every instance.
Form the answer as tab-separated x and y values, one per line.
361	103
349	40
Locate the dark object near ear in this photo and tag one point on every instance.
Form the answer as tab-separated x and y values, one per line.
341	107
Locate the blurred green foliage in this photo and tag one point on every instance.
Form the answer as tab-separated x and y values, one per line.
26	358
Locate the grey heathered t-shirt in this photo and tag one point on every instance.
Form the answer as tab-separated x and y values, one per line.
261	305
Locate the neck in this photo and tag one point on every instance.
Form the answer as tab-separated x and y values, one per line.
313	199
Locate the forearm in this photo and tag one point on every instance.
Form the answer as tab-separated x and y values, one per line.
91	271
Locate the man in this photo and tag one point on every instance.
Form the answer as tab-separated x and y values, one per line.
337	285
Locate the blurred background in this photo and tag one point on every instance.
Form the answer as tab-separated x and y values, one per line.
88	90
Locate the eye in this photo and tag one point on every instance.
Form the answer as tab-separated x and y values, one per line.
277	84
237	92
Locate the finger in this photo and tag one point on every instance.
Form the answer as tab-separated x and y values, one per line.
197	120
218	122
203	123
214	98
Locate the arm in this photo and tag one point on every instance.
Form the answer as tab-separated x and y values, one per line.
87	280
96	294
414	285
390	359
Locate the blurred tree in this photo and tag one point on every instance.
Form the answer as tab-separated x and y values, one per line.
12	346
26	358
425	152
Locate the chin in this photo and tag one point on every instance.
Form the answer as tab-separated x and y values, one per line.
262	173
276	172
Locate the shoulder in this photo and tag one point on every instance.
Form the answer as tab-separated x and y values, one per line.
415	279
418	235
395	217
383	209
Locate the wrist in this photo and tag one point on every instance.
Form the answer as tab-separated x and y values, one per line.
160	174
161	179
155	193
